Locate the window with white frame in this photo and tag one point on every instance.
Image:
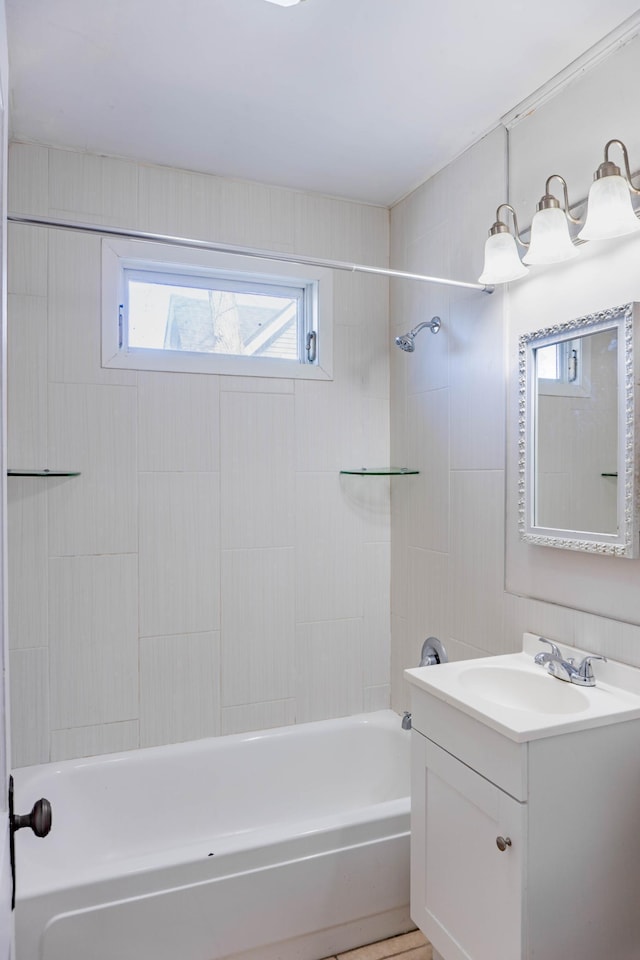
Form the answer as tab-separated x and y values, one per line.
563	368
165	307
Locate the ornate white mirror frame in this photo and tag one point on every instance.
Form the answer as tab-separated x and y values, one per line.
622	541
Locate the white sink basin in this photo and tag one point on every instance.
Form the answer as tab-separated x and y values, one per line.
521	690
520	699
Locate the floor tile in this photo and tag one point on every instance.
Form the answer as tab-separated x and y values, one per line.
409	946
420	953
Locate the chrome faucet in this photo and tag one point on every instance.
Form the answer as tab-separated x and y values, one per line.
564	668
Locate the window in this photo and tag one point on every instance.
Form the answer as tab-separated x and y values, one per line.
563	368
171	308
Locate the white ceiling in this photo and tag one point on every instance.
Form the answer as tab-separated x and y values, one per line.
354	98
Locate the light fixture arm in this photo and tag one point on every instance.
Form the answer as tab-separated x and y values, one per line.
501	227
549	196
627	169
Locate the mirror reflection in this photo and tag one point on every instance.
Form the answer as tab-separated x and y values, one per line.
576	383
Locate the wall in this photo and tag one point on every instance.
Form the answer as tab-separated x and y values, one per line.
451	575
448	419
209	572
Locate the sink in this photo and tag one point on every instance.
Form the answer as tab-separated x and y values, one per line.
521	700
522	690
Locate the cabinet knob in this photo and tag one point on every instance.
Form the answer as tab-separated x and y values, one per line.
502	843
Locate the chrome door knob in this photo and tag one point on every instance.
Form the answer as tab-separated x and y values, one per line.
39	819
502	843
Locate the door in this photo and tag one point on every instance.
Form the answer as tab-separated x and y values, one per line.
467	858
6	921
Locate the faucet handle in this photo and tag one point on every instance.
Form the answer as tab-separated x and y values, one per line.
584	668
542	656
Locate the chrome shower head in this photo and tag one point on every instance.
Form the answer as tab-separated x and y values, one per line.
406	341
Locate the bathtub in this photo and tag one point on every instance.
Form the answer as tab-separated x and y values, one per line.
286	844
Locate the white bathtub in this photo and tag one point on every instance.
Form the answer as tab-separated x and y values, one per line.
287	844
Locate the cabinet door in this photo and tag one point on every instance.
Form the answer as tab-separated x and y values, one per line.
466	895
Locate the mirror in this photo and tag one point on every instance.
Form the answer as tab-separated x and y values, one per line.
578	460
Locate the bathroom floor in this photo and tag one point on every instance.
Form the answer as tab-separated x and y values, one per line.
410	946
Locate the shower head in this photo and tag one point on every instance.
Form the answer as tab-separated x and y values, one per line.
406	341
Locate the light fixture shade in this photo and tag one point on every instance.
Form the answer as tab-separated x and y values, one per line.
501	260
550	240
609	213
284	3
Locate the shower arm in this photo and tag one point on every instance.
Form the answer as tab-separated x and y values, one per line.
434	325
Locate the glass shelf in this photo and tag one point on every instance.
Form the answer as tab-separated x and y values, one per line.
43	473
381	472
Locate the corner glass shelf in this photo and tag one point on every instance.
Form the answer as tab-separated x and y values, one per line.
381	472
43	473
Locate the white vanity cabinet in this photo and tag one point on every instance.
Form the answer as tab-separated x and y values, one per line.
567	886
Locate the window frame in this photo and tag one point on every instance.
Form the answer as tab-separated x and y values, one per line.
120	257
562	386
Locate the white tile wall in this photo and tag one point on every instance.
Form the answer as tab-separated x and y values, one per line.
89	741
329	659
179	563
477	558
328	524
428	451
430	590
179	688
27	257
28	185
376	649
29	670
477	383
377	698
205	504
27	382
178	422
102	187
28	570
258	625
258	716
92	429
257	482
92	640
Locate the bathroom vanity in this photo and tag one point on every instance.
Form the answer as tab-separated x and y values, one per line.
525	823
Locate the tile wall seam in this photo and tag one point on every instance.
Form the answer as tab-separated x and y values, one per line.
139	525
87	556
220	681
47	494
181	633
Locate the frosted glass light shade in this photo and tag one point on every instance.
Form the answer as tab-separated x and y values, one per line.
284	3
550	240
501	260
609	213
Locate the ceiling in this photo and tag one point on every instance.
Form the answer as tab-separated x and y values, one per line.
353	98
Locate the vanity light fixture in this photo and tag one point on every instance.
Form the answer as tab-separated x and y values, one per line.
550	239
610	213
502	262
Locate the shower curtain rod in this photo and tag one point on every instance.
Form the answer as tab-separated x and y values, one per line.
244	251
